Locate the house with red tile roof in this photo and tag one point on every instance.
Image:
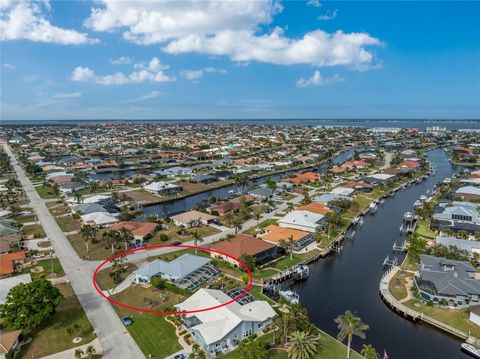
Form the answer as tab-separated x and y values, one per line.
241	244
10	262
140	230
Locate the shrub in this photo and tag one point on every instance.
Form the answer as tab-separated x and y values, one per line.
163	237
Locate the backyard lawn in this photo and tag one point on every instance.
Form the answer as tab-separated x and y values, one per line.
397	285
171	232
154	335
457	318
423	230
53	337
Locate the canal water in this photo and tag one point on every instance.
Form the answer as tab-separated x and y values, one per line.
185	204
350	280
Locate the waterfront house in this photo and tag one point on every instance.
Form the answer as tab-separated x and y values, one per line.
277	235
162	188
456	216
468	193
187	271
192	219
223	207
475	314
315	207
452	282
471	246
241	244
343	191
203	178
100	199
302	220
329	197
379	178
262	193
101	219
173	172
220	330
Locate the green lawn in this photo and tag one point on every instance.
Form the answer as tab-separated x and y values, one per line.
329	348
154	335
53	337
423	230
46	264
34	230
457	318
268	222
397	285
68	224
45	192
105	281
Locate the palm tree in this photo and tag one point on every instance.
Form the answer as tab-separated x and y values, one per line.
251	349
257	214
78	353
56	189
90	351
369	352
86	233
78	197
197	352
126	236
15	209
196	239
93	187
349	325
236	224
301	346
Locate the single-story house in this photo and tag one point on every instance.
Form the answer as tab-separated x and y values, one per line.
315	207
9	241
192	219
456	216
378	178
100	199
471	246
162	188
223	207
343	191
139	230
475	314
6	228
277	234
263	193
302	220
263	251
173	172
468	193
99	219
203	178
87	208
329	197
220	330
187	271
454	282
11	262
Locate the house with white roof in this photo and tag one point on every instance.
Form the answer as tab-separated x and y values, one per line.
162	188
100	199
220	330
302	220
99	219
7	284
343	191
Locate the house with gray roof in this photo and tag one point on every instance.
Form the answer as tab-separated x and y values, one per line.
471	246
187	271
450	281
456	216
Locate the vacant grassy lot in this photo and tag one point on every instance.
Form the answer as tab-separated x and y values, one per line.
423	230
34	230
97	251
171	232
59	209
45	192
154	335
68	224
397	285
457	318
53	337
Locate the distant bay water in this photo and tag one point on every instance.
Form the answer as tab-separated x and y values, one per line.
362	123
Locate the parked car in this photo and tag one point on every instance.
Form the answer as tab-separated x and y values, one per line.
181	356
176	243
127	321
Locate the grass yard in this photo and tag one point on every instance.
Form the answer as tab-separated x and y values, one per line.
423	230
53	337
268	222
46	264
25	219
35	230
329	348
59	209
457	318
171	232
45	192
68	224
154	335
397	285
105	281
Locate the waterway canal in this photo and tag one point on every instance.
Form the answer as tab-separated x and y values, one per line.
351	279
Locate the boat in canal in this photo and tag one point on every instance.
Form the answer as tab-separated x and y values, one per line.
471	350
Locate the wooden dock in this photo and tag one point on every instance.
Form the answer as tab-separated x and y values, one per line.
411	314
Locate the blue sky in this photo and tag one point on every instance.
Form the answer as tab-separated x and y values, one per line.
234	59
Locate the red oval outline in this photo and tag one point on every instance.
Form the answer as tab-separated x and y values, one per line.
249	286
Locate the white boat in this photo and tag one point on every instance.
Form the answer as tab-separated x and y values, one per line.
231	191
471	350
290	296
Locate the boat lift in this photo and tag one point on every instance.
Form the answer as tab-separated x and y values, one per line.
400	248
390	262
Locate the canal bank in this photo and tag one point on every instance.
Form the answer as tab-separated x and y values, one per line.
350	281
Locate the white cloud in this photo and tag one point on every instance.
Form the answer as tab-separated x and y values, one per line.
329	15
317	80
148	96
150	72
122	60
228	28
196	75
9	66
314	3
67	94
26	20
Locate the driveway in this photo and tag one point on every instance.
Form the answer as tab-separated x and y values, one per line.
116	342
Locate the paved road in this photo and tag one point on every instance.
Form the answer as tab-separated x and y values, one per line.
115	340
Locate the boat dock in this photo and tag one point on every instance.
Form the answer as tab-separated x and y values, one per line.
297	273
